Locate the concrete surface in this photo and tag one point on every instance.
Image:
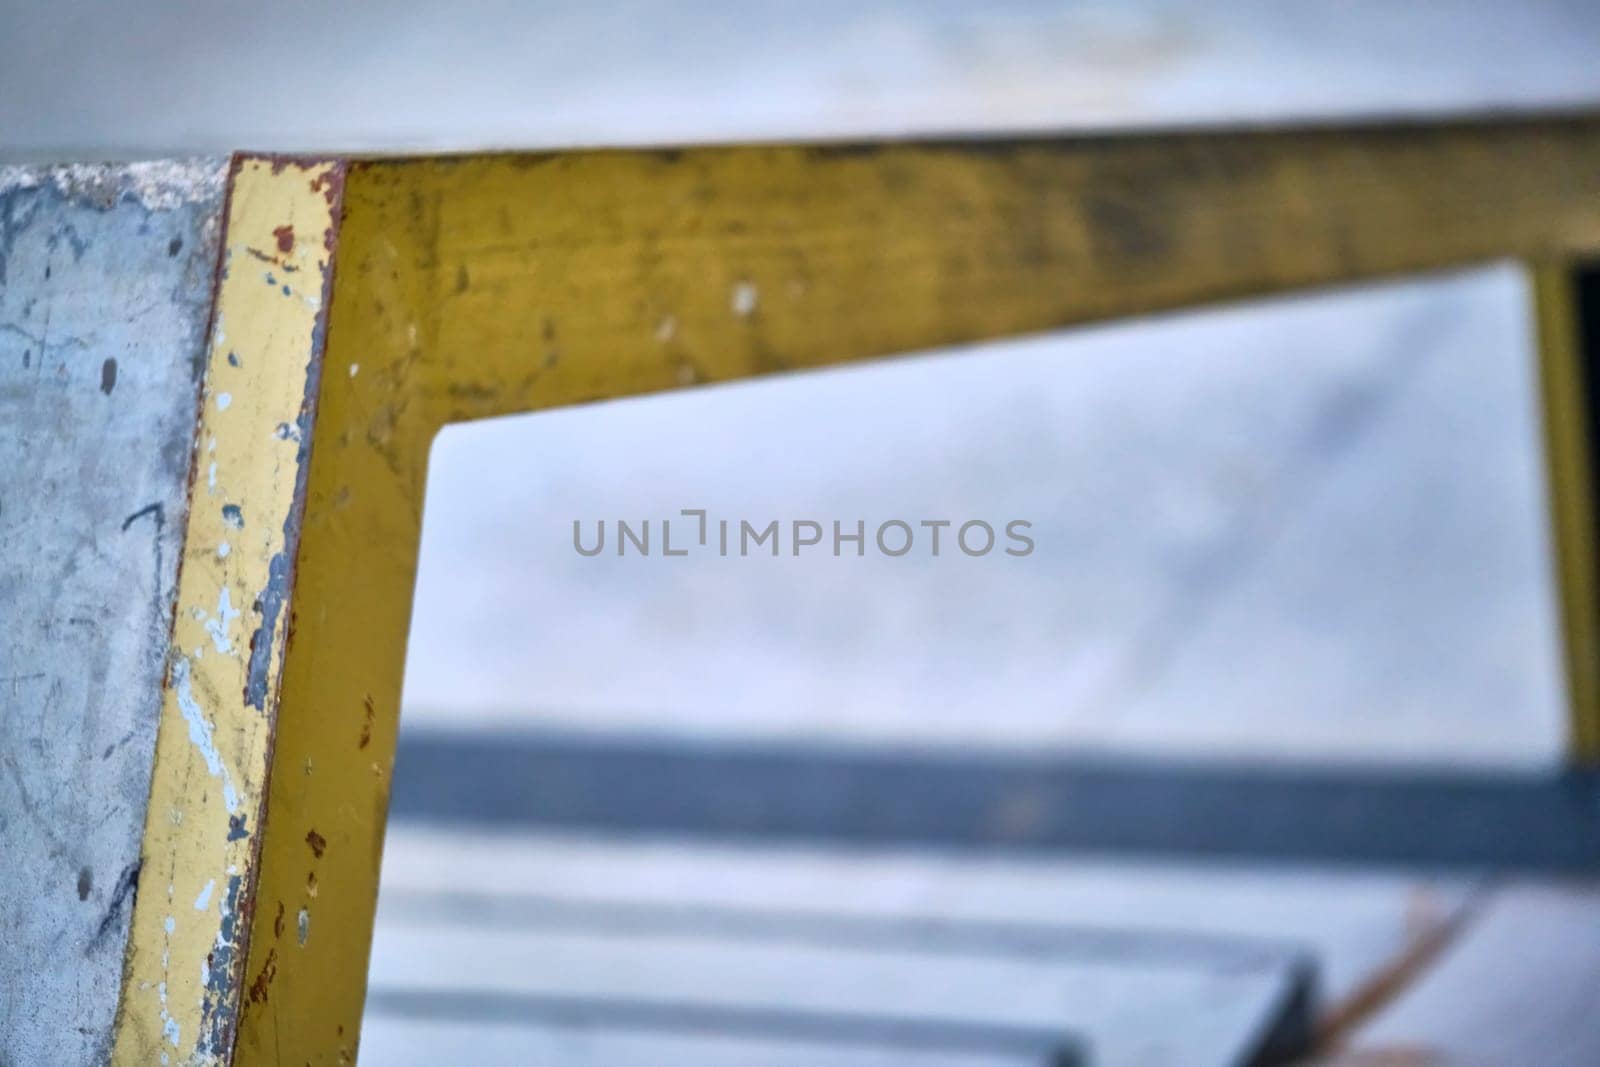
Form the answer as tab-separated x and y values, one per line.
105	293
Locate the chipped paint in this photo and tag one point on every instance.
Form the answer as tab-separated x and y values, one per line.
169	1026
218	627
319	851
202	734
184	978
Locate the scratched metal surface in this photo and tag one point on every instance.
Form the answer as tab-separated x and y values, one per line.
105	290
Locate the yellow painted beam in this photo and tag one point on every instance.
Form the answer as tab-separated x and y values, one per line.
186	947
1569	465
475	286
335	741
544	280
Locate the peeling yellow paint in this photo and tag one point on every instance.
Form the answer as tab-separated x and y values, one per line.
185	950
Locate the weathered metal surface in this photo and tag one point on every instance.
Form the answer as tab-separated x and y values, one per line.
547	279
105	289
333	746
493	284
485	285
185	963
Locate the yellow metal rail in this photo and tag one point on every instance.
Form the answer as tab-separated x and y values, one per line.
1569	356
365	304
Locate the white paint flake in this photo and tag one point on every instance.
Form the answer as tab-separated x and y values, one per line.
204	898
169	1025
200	733
218	627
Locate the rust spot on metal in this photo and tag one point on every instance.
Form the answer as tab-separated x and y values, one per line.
317	842
277	921
269	971
285	237
366	723
331	185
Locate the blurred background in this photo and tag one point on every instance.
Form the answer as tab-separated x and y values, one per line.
1259	750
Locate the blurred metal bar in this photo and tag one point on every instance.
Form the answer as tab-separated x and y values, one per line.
747	791
1567	302
523	282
